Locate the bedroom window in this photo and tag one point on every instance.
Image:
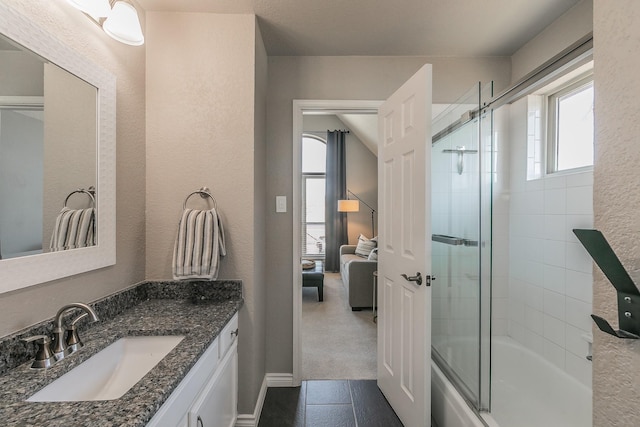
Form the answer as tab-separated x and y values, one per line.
313	197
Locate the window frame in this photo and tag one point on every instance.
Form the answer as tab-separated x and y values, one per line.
303	202
574	86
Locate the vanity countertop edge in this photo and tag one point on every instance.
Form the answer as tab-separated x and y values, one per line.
198	310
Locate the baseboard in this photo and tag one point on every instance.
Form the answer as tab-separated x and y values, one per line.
252	420
280	380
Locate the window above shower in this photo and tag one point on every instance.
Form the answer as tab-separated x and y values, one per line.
560	125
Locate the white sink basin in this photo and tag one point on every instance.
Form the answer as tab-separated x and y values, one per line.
110	373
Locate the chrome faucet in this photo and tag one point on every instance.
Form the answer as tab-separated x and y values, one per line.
61	348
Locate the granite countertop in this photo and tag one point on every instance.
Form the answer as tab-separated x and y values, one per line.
199	318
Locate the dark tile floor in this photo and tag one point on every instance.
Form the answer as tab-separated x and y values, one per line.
328	403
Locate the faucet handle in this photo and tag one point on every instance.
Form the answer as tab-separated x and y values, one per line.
44	356
45	339
73	339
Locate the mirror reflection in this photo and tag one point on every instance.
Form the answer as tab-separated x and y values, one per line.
48	156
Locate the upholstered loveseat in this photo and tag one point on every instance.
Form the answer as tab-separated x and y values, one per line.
357	276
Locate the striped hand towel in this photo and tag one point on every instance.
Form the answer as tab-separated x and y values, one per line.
199	245
75	228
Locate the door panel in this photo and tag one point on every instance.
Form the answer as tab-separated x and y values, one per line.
404	330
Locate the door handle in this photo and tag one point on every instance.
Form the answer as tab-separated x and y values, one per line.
417	278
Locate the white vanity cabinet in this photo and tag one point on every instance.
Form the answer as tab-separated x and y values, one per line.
208	394
216	405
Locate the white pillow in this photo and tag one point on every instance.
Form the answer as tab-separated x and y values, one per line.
365	246
373	256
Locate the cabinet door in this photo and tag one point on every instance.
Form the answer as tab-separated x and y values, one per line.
217	404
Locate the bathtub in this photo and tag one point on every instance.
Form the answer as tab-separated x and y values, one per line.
526	391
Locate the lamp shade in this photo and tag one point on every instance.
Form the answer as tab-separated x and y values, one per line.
95	8
348	206
123	24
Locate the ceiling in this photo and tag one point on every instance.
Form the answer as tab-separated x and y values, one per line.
387	27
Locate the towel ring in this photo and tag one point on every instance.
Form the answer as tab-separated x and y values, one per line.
204	193
90	192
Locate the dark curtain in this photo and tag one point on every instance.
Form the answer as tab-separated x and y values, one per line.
336	189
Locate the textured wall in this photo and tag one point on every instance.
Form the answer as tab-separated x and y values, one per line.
22	308
372	78
201	118
616	363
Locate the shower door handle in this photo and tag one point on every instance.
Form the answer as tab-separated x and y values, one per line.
417	278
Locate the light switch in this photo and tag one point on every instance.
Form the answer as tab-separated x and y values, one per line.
281	204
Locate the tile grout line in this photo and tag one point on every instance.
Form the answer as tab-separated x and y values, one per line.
353	405
306	386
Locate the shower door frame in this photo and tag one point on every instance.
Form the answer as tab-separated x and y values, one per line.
478	400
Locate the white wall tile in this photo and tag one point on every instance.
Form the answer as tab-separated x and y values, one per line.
516	290
580	200
533	249
533	297
500	308
578	313
533	225
555	182
549	272
579	285
535	273
534	320
500	287
534	185
516	312
554	227
499	327
577	258
554	278
555	201
554	304
574	342
580	179
517	331
534	202
554	353
533	341
554	330
500	261
554	253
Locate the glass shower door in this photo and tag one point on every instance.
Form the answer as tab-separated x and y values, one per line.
461	247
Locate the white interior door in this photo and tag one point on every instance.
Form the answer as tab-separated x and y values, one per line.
404	306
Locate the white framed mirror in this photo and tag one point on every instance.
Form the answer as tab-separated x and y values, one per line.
79	109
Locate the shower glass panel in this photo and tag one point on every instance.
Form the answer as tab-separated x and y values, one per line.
460	242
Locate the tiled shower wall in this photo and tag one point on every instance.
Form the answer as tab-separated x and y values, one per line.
549	273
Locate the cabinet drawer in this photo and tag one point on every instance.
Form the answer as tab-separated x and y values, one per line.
228	336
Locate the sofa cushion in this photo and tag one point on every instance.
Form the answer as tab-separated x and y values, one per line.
344	261
373	256
365	246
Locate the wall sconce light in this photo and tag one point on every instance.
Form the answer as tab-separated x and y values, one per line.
120	22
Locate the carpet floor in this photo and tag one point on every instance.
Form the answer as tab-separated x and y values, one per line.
337	343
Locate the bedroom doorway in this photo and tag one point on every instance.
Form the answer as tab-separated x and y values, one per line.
318	356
